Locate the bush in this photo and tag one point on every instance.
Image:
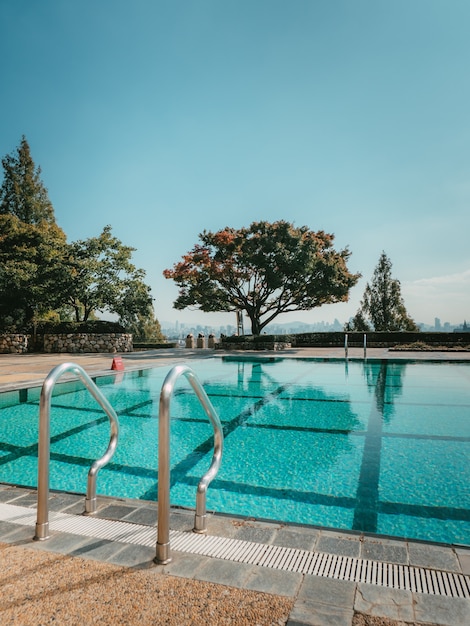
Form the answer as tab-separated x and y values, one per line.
256	339
90	326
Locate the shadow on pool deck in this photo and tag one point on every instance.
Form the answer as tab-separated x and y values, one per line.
66	580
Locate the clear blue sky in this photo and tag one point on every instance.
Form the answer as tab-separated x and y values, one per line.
164	118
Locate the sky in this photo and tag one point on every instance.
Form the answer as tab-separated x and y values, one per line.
167	118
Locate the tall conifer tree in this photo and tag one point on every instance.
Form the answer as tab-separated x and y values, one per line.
382	305
23	193
31	243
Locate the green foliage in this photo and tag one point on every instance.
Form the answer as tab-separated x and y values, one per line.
146	328
31	243
358	323
22	193
99	276
382	303
90	326
257	339
265	269
30	270
42	276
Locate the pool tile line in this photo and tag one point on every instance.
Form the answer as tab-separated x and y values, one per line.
184	467
346	568
367	495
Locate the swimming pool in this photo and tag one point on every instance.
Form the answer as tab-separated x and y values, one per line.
375	446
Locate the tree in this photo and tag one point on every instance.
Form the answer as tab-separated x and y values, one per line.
382	304
100	276
265	269
31	243
146	328
22	193
30	270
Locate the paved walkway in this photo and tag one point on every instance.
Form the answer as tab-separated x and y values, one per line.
325	577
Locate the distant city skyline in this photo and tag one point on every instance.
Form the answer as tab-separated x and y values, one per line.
180	329
163	119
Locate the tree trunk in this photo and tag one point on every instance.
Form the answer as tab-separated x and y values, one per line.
255	326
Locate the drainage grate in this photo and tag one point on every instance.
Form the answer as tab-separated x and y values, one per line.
409	578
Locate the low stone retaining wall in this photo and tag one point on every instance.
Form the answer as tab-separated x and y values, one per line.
88	342
13	344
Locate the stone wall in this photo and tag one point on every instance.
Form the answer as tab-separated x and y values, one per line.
88	342
13	343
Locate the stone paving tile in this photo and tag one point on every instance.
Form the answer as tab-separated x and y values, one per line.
10	494
76	508
143	515
274	581
463	555
66	501
116	511
434	557
329	591
339	544
13	533
27	499
182	520
441	610
384	550
134	556
98	549
225	572
296	538
255	531
184	565
307	614
384	602
65	543
222	526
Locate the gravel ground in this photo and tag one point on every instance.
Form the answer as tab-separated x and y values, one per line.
40	588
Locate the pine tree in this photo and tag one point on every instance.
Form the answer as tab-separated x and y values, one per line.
382	304
22	193
31	243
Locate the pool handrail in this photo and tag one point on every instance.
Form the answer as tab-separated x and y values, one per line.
42	520
346	349
163	528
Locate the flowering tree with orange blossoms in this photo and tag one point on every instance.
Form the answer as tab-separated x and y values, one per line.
265	269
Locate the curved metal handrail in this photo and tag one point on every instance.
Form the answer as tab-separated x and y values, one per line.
42	520
163	535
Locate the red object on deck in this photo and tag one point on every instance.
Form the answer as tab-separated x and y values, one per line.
117	364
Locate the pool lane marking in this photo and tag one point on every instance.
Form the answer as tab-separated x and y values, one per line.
367	496
183	467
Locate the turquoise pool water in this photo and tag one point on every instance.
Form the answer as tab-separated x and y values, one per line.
376	446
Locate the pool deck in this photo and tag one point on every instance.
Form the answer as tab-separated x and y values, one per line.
316	576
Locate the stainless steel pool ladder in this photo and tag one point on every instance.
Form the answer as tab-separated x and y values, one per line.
346	351
42	520
163	531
